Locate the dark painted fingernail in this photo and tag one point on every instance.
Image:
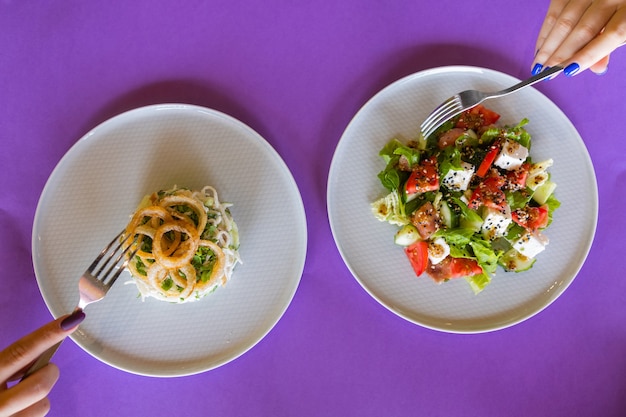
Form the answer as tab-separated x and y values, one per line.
571	69
73	320
537	69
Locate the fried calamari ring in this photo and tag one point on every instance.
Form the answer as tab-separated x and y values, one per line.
157	274
145	219
150	232
180	257
153	213
181	200
187	244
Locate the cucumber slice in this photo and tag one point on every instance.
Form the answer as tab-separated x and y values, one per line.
514	261
543	192
407	235
421	142
470	224
471	220
447	215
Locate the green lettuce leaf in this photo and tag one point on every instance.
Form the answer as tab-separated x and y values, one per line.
390	209
450	159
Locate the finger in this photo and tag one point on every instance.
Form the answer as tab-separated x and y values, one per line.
20	374
27	349
554	11
588	29
601	46
601	66
39	409
563	25
30	391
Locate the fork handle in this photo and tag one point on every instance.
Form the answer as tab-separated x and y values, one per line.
530	81
42	360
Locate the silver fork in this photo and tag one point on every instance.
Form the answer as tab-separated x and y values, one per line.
95	282
465	100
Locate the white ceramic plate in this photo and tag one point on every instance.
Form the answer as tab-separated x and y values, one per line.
381	267
97	186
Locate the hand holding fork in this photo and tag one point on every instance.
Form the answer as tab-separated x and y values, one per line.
465	100
93	285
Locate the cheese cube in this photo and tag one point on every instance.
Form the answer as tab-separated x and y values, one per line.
459	180
438	250
511	156
531	244
495	222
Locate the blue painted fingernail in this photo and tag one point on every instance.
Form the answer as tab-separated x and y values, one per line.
548	78
571	69
537	69
73	320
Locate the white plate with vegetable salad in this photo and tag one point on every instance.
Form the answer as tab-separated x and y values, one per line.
99	184
420	224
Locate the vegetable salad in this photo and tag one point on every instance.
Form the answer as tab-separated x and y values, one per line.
467	199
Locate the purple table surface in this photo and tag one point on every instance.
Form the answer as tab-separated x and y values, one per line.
297	74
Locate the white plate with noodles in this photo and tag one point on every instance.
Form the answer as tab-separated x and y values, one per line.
381	267
97	186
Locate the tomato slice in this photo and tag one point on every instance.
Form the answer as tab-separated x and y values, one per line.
418	256
451	268
488	161
489	194
516	179
464	267
531	218
423	178
477	117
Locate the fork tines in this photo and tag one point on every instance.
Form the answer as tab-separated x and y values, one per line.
448	109
103	261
